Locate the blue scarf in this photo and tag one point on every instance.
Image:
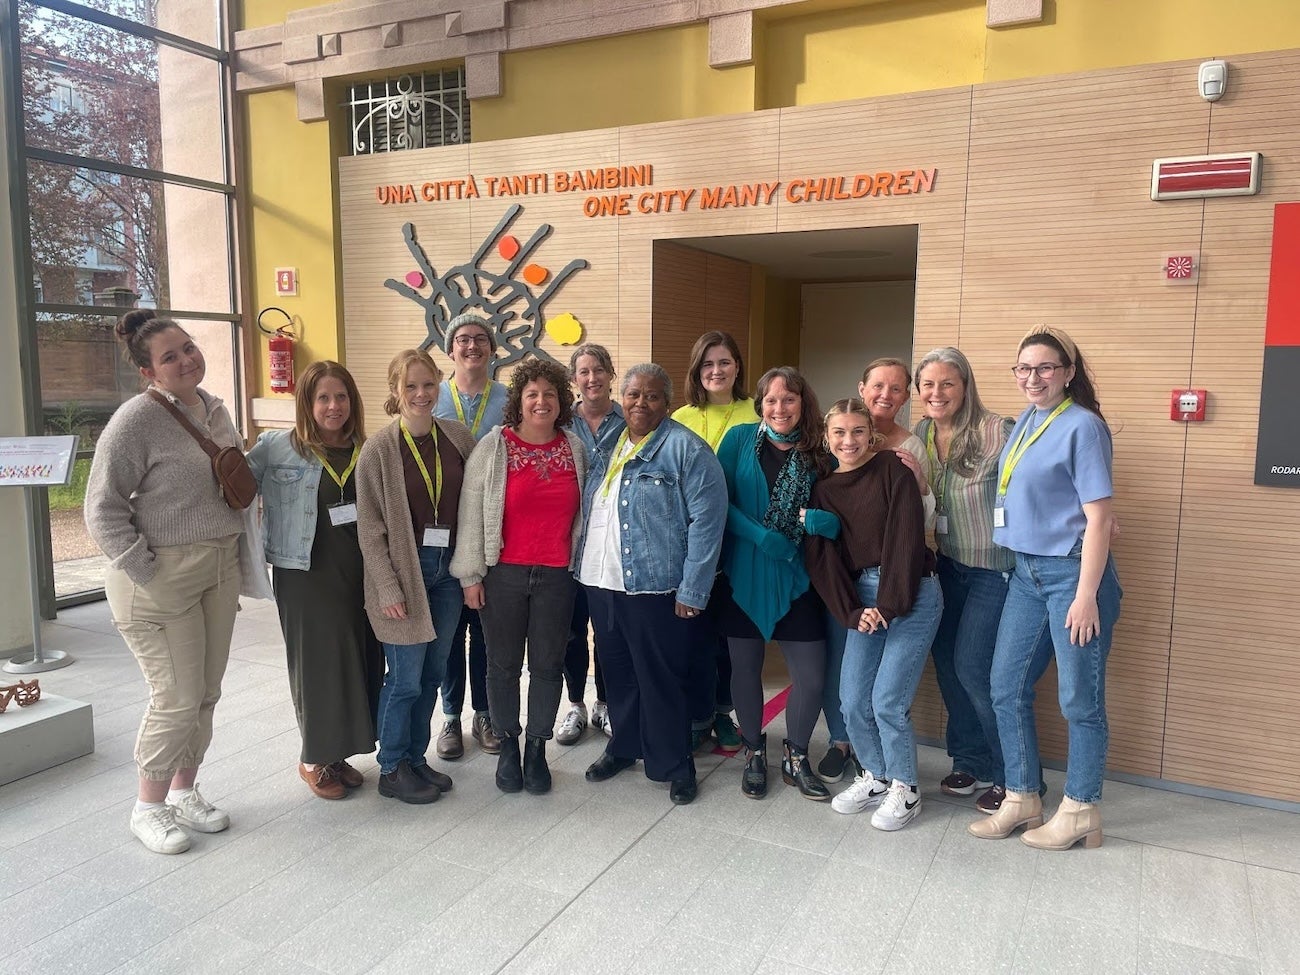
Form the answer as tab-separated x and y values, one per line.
793	485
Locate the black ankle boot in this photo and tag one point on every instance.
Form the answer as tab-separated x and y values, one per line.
753	782
796	770
510	778
537	777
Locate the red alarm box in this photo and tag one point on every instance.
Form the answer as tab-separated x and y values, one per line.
1187	404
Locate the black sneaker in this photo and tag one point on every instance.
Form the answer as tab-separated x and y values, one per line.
831	768
961	784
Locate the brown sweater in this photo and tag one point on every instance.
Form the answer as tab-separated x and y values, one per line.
392	559
882	523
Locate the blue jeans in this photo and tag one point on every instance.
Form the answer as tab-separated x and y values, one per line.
963	658
1032	631
879	678
415	670
469	650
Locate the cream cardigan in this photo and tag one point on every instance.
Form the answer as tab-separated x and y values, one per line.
392	559
482	503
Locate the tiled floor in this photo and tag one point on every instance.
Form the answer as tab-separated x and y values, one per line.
607	878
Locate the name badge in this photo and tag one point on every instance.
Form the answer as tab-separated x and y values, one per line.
343	513
999	517
941	525
437	536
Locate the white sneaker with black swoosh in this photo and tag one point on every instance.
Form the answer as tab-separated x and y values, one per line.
901	806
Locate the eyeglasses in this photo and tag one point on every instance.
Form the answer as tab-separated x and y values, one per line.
1045	370
465	341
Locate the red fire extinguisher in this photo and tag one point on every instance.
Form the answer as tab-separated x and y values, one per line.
281	345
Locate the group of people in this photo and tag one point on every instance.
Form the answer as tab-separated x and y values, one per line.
492	525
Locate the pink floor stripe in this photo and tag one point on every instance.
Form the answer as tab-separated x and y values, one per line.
770	710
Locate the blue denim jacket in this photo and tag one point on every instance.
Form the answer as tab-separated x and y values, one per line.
288	482
673	501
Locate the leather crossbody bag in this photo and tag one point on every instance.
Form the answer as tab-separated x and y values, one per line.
229	466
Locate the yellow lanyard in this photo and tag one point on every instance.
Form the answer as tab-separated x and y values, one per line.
941	486
435	492
340	479
1019	447
617	463
460	410
713	443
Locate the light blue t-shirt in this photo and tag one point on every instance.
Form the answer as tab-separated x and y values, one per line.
1066	468
493	414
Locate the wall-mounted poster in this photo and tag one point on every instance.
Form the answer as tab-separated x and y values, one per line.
1277	450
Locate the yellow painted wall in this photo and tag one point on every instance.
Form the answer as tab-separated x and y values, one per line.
625	80
290	185
1088	34
881	49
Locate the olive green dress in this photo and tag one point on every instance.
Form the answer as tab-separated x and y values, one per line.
336	665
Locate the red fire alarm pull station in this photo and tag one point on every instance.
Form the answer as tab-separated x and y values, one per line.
1187	404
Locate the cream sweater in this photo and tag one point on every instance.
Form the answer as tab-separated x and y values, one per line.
388	548
151	484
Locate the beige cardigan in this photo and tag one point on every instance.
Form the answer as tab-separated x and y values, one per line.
482	504
392	559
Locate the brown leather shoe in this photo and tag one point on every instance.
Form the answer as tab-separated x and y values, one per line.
450	745
322	781
349	776
484	735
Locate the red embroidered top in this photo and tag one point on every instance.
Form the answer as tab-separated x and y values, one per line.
542	500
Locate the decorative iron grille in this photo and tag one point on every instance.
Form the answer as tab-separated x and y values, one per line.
410	112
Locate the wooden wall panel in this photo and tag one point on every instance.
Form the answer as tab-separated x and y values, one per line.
1233	718
1040	212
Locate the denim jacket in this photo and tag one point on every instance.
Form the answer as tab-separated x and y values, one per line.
673	502
288	482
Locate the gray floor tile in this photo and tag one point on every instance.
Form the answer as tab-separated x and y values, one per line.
910	848
200	947
504	827
469	936
1160	956
696	954
772	966
100	943
54	904
1275	900
1198	901
1174	821
789	819
1102	886
1270	838
1057	945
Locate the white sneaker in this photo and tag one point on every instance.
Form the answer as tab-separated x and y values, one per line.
901	806
192	810
600	718
865	791
573	725
156	828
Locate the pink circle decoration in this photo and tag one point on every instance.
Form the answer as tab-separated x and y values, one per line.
415	279
508	247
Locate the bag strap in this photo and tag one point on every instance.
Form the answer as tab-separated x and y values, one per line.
210	448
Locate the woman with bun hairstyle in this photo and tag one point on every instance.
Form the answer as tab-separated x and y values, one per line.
514	558
1054	511
309	497
409	479
716	401
154	507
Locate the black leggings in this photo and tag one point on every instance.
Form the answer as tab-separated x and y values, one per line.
575	653
806	661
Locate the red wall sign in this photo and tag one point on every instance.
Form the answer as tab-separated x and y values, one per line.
1224	174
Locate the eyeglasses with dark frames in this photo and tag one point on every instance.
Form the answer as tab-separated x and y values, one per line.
1045	370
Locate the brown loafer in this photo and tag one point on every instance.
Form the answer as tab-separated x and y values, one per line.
322	781
349	776
450	745
484	735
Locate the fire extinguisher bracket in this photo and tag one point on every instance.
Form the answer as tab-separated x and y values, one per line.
281	349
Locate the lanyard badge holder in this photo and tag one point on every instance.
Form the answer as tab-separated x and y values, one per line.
941	485
1013	458
344	512
433	536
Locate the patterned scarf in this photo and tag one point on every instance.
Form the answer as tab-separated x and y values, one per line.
793	485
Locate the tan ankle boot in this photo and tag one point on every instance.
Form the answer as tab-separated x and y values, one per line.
1073	821
1017	809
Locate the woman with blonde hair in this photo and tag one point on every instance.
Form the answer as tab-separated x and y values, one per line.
309	529
154	507
409	479
878	582
1054	510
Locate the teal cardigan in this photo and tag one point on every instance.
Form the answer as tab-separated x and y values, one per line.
763	586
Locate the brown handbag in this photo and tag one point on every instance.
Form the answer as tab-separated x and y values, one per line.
229	466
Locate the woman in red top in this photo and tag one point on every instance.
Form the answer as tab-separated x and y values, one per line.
517	529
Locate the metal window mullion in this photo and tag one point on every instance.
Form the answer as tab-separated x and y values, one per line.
116	311
121	169
134	28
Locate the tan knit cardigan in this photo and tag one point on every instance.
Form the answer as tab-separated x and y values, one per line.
392	559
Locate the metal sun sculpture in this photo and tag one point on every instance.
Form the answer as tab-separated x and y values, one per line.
506	299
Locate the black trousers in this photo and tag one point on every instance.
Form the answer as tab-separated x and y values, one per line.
645	653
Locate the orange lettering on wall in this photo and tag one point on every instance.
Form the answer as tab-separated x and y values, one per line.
794	191
883	183
925	180
903	182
